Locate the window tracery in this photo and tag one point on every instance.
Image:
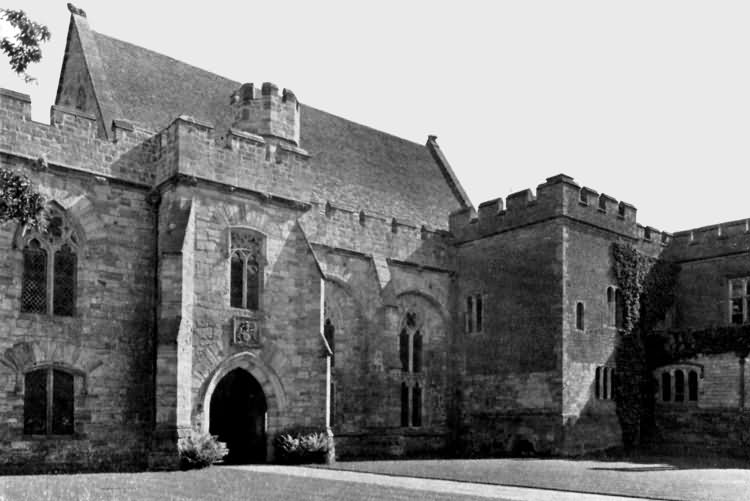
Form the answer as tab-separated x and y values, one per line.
246	268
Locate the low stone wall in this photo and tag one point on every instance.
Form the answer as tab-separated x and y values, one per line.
687	429
501	434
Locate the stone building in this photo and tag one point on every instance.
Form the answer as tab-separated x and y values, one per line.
223	258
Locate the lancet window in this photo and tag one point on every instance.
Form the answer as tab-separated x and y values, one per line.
246	268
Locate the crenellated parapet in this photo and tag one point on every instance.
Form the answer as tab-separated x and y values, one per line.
346	229
558	196
728	238
72	141
236	158
267	112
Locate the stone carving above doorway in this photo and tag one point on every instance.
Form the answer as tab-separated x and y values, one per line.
246	332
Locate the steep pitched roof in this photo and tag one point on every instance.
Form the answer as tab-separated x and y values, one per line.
355	166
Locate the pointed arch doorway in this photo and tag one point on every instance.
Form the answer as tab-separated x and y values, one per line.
238	416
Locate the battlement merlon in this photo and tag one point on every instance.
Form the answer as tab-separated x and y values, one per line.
558	196
731	237
266	112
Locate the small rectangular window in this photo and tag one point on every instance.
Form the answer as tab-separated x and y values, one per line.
739	300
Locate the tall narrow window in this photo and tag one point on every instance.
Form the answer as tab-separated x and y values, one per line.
478	307
417	352
245	268
403	350
416	406
48	402
34	287
65	281
611	306
619	310
666	387
597	383
404	404
50	267
474	313
579	316
605	383
411	357
693	386
679	386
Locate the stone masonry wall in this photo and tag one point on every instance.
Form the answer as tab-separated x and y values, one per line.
511	387
107	343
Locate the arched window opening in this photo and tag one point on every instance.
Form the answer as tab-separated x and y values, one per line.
666	387
579	316
50	267
48	402
411	341
34	286
693	386
245	268
679	386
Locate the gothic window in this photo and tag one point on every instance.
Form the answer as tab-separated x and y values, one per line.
739	300
245	268
679	385
474	313
579	316
410	354
50	267
48	402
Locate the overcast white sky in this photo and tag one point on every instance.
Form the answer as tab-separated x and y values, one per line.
647	101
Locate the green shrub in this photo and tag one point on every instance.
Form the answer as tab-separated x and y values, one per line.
302	446
199	450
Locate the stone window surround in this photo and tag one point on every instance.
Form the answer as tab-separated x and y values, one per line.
80	396
580	316
743	299
474	312
70	237
260	260
411	325
671	370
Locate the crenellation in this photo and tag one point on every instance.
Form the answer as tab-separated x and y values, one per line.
558	196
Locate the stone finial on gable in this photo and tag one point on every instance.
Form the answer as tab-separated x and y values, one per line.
75	10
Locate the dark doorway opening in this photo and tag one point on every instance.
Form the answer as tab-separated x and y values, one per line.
238	417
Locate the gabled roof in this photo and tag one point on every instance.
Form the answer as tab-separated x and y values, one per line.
355	166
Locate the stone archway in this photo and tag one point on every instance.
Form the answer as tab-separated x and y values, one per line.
238	417
268	384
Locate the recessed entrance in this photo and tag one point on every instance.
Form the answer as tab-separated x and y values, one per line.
238	417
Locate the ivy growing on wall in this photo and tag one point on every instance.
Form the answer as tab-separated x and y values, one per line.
647	288
671	346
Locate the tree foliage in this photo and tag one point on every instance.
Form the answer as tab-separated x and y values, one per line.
18	200
23	48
